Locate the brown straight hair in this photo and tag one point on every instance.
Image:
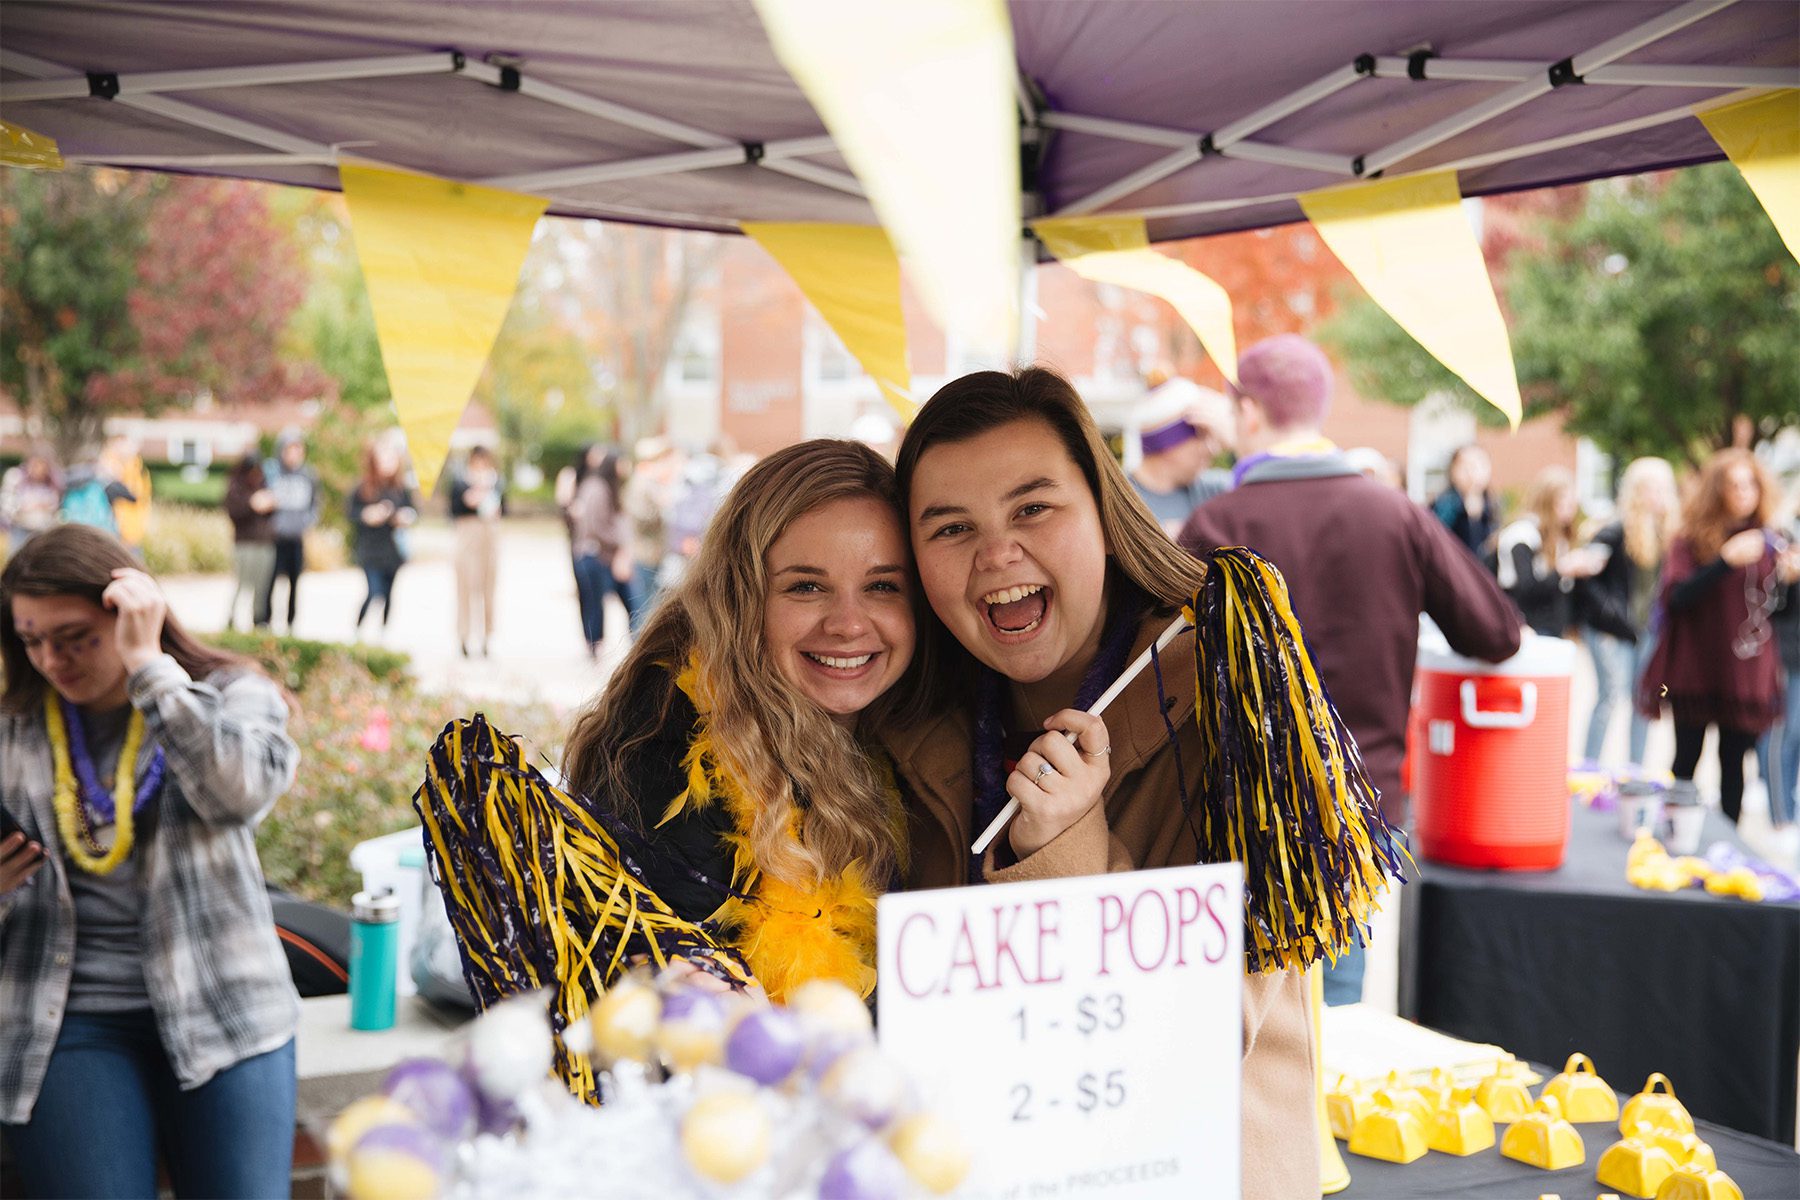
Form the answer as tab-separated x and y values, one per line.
78	560
1139	549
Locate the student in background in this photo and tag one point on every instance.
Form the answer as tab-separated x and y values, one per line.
121	462
296	488
380	507
249	503
1716	661
477	502
1633	549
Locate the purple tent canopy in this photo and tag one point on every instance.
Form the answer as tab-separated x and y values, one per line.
1202	116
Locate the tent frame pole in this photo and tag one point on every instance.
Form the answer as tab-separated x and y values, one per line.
1498	70
729	155
146	83
142	91
1577	67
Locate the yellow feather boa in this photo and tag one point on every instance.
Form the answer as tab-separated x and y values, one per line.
787	933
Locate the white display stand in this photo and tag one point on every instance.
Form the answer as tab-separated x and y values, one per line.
1084	1034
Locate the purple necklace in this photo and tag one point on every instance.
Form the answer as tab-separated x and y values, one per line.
1128	605
95	796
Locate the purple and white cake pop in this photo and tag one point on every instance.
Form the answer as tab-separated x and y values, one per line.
436	1093
692	1030
865	1171
765	1045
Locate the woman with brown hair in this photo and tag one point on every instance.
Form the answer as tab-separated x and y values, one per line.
148	1004
734	739
1715	660
381	507
1047	575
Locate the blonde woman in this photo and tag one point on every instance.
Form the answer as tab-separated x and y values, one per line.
733	739
1632	548
1537	568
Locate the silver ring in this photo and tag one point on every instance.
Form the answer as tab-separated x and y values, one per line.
1100	753
1043	770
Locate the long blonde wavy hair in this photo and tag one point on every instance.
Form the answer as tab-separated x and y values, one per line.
782	748
972	405
1649	510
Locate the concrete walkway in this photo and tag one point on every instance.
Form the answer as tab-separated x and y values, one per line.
537	652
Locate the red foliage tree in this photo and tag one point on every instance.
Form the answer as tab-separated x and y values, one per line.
217	281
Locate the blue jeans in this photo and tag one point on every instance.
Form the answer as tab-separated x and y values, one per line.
381	587
643	594
1778	757
1617	665
593	580
110	1102
1344	978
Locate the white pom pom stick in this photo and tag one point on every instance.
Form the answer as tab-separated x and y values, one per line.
1175	630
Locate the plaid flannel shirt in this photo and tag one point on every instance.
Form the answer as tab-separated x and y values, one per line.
217	976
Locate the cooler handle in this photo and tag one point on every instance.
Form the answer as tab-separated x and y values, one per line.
1474	718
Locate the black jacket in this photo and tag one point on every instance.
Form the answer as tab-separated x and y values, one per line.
685	861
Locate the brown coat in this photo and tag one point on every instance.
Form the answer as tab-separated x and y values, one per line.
1139	824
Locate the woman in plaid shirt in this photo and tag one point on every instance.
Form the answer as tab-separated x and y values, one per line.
147	1001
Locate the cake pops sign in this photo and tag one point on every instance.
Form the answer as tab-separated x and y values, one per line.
1084	1033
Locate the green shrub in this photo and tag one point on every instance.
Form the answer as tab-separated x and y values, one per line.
183	541
169	486
346	792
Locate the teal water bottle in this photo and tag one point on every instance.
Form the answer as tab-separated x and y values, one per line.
374	958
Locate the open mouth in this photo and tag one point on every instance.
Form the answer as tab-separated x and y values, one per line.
845	664
1017	610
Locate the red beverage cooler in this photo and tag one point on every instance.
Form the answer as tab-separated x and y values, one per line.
1490	756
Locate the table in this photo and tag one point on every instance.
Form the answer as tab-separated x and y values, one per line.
1764	1170
1705	989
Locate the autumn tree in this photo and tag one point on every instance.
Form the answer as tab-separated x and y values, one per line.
132	292
1654	319
72	240
632	286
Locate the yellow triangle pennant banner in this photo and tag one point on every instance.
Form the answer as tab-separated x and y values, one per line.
920	100
22	147
1409	244
442	261
852	276
1116	250
1762	138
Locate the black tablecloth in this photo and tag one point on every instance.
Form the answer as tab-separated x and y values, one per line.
1705	989
1764	1170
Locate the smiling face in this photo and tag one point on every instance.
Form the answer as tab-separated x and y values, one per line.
69	640
1010	549
838	620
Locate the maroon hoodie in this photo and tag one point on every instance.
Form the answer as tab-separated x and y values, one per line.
1362	562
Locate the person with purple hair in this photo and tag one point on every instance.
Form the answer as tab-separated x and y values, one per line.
1361	561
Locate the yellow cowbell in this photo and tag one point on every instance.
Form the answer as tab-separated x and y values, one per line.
1583	1095
1659	1110
1503	1095
1636	1166
1461	1126
1390	1131
1694	1182
1542	1138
